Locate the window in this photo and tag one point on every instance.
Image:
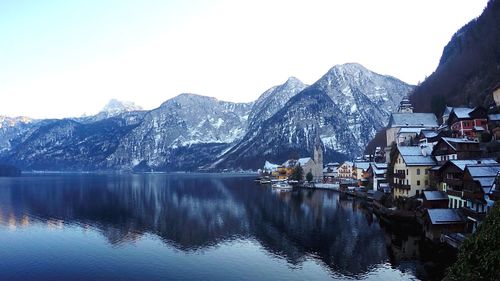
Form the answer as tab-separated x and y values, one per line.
406	171
418	182
426	182
426	171
418	171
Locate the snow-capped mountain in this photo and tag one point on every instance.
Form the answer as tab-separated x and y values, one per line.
182	134
115	108
272	100
346	107
192	132
11	128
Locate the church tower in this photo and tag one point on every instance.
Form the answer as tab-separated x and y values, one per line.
318	159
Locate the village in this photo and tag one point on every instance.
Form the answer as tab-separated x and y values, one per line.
439	175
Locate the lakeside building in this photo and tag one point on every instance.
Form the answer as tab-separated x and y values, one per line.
330	171
378	176
411	171
313	165
439	221
360	172
345	170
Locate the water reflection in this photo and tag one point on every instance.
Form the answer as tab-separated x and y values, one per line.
192	212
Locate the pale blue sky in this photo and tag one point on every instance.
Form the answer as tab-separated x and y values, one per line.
67	58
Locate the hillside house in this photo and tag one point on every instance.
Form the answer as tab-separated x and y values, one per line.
455	148
468	122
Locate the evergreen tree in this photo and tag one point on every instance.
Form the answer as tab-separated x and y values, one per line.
479	255
309	176
297	173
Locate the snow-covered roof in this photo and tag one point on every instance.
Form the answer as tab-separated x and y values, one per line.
435	195
452	141
462	112
444	216
429	133
333	164
379	168
413	120
303	161
410	130
347	163
412	155
483	170
270	166
362	165
461	164
494	117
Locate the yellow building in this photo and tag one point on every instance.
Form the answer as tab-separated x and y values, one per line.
411	171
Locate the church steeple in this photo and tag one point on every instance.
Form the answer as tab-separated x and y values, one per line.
405	106
318	151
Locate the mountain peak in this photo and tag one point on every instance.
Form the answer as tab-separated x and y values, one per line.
114	107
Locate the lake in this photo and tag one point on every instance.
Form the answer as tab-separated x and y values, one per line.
197	227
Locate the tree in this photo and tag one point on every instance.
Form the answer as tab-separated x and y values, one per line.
309	177
479	255
297	173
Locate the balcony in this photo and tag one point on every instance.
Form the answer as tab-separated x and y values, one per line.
401	176
401	186
452	182
472	213
456	193
472	195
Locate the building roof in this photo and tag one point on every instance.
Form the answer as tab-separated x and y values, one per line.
444	216
412	155
410	130
453	141
270	166
293	162
494	117
461	164
333	164
435	195
362	165
303	161
462	112
429	133
413	119
483	170
347	163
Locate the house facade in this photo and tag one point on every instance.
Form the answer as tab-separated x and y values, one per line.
455	149
468	122
411	171
345	170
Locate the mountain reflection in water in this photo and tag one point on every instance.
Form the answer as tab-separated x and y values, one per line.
195	212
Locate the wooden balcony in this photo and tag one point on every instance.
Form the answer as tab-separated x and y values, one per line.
401	176
451	192
453	182
401	186
472	213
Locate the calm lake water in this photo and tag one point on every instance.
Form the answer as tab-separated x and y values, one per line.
196	227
